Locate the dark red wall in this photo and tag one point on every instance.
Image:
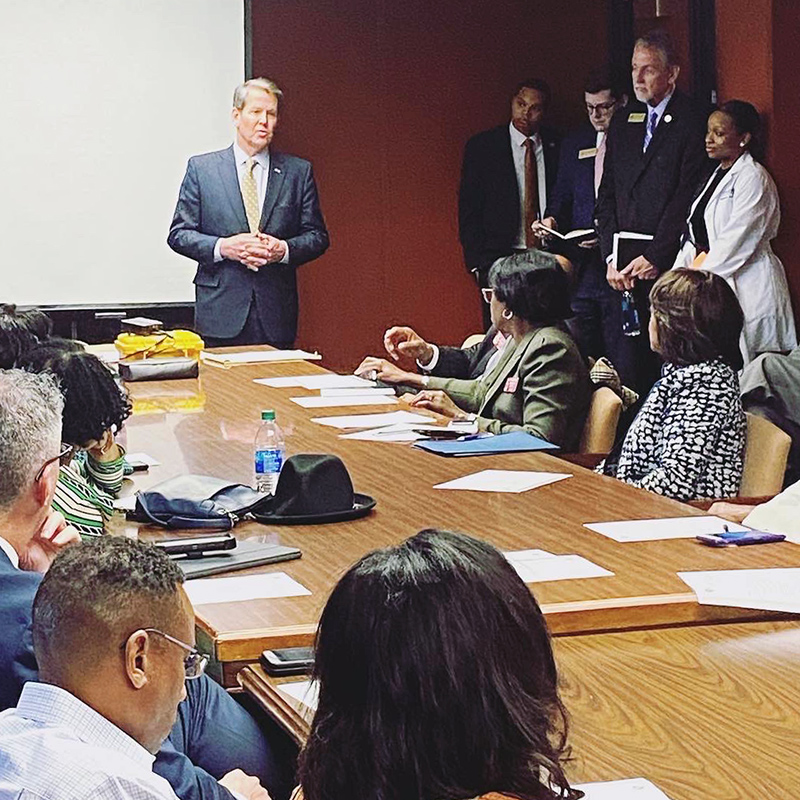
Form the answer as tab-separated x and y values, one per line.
382	97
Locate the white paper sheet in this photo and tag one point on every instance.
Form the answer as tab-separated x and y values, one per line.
260	356
345	400
141	458
631	789
404	432
204	591
537	566
648	530
503	480
364	390
307	692
371	420
766	589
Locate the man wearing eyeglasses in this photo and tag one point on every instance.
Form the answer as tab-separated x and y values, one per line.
572	208
112	633
31	535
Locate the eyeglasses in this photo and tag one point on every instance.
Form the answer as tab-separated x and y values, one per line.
487	295
194	664
601	107
63	457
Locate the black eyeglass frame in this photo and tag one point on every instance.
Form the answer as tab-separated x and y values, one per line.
194	664
64	456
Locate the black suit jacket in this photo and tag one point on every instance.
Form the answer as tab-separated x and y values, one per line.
650	192
488	198
465	362
572	199
210	206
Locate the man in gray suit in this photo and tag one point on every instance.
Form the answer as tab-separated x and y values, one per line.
248	216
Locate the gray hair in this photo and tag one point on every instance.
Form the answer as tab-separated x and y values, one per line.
30	428
240	93
661	41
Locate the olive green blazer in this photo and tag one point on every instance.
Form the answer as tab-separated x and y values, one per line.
541	386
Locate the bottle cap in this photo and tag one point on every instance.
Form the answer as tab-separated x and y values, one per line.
268	414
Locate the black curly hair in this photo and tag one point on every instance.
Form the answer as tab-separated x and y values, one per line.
93	402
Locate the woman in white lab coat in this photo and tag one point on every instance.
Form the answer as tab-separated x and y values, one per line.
731	224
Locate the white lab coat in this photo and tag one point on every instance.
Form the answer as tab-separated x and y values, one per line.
742	218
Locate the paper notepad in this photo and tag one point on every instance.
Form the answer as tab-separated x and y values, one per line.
305	692
258	357
649	530
205	591
537	566
503	480
337	401
371	420
631	789
767	589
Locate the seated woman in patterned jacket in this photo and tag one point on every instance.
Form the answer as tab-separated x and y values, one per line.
688	439
94	409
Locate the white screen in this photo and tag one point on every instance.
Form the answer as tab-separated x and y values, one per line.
103	101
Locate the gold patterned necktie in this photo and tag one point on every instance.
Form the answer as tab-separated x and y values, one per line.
250	196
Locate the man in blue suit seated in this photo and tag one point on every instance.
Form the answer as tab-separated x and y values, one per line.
571	207
212	730
249	216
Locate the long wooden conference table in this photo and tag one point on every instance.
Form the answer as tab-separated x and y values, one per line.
207	426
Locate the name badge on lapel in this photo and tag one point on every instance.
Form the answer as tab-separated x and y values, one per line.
511	384
636	117
588	152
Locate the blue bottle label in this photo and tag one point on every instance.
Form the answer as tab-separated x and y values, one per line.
268	461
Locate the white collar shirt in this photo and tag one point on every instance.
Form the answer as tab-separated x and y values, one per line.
55	747
12	554
658	110
518	152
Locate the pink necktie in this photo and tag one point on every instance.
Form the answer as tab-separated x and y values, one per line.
598	164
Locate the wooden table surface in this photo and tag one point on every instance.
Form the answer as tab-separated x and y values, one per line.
212	433
707	712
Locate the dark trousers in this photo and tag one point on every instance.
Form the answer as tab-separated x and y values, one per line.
251	333
213	735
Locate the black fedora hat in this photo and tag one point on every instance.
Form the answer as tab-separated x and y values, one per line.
314	488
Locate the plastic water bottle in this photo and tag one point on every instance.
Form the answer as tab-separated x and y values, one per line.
268	451
630	315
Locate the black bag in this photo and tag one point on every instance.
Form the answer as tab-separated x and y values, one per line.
197	501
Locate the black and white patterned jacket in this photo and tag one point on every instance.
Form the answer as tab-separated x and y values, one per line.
688	439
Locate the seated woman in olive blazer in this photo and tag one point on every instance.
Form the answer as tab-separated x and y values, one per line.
540	383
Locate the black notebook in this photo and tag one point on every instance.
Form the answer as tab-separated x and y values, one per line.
247	554
628	246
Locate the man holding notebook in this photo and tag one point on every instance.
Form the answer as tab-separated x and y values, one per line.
654	158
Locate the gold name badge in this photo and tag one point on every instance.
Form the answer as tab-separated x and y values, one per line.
636	117
588	152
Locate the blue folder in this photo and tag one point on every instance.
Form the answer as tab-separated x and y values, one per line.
516	442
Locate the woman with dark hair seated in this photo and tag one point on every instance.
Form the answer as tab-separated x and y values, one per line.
94	409
688	439
731	225
436	681
540	383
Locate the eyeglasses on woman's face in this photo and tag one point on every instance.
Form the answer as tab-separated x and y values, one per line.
487	295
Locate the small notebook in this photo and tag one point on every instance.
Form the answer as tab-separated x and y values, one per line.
515	442
246	554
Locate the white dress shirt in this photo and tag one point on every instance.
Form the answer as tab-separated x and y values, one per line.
261	175
518	151
13	557
658	111
55	747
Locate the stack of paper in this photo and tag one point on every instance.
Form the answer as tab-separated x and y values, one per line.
503	480
306	692
356	399
312	382
765	589
631	789
205	591
258	357
371	420
536	566
648	530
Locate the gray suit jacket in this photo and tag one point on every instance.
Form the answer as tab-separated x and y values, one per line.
540	386
210	206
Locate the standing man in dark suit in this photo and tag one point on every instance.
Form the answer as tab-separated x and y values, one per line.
506	177
571	207
249	217
654	159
